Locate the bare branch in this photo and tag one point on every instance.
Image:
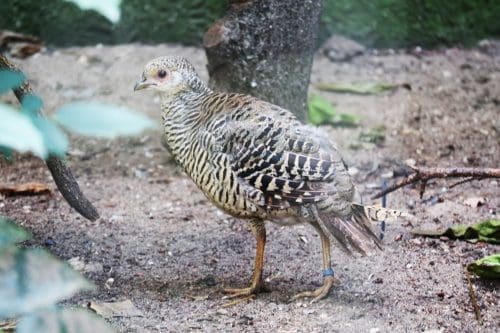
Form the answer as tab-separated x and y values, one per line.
62	175
423	175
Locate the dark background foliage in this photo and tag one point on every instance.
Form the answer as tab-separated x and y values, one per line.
377	23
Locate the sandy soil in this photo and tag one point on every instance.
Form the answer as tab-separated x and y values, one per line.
170	251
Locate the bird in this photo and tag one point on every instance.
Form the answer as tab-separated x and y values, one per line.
256	161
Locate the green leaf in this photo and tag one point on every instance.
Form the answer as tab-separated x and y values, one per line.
54	138
487	267
95	119
487	231
32	104
323	112
19	133
109	8
11	233
63	321
10	80
33	278
6	153
357	88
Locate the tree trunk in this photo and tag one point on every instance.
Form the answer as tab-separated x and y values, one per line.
265	48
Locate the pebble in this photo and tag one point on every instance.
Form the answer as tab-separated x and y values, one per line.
109	283
222	312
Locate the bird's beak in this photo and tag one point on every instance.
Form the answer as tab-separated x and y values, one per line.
143	84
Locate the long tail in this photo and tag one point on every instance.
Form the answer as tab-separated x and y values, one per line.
355	234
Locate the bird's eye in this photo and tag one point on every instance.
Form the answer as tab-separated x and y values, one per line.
162	73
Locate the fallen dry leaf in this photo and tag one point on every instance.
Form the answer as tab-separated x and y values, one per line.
474	201
198	297
8	326
32	188
19	45
115	309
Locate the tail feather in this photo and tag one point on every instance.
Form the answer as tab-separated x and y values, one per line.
355	234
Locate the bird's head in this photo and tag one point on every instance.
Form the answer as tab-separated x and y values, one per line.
170	76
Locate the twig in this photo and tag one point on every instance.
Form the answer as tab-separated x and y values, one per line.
422	175
473	298
62	175
463	181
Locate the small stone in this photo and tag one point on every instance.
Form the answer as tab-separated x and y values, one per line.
77	263
50	241
308	311
353	171
222	312
410	162
416	241
339	48
109	283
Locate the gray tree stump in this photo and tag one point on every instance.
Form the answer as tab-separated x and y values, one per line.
265	48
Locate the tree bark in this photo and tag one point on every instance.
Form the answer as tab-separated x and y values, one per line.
265	48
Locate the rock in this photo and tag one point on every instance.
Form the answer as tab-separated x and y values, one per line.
490	47
339	48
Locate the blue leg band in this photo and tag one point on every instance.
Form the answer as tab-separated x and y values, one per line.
328	272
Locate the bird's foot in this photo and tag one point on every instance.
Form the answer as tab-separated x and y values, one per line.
239	295
254	289
319	293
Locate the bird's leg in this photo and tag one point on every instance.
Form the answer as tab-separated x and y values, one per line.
257	285
322	291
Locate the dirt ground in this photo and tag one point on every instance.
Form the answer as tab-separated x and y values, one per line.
162	245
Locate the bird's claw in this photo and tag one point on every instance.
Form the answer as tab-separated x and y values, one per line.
319	293
242	292
238	295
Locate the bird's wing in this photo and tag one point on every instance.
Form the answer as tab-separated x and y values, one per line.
288	162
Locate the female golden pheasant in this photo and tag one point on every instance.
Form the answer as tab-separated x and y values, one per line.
256	161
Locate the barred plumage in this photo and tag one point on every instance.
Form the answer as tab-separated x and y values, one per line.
255	160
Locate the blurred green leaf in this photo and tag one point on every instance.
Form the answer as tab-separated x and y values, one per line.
487	231
32	104
320	110
10	80
323	112
63	321
487	267
19	133
102	120
54	138
5	152
32	278
11	233
109	8
357	88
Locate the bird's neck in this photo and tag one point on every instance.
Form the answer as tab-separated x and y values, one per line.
181	116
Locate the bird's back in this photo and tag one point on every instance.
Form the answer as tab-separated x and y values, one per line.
252	158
